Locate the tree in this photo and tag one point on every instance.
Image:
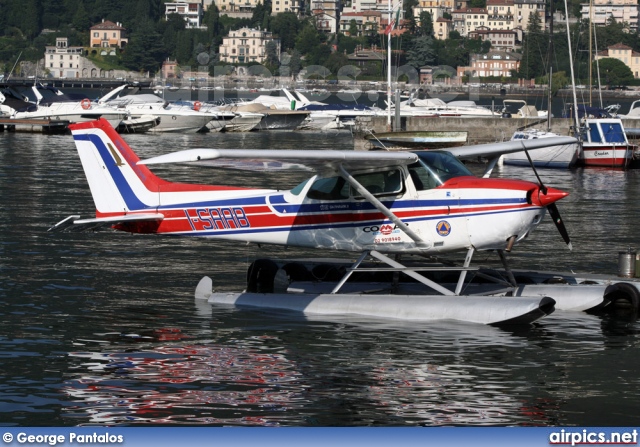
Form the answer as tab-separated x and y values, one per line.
422	52
335	61
295	63
145	51
318	55
81	20
308	40
353	28
286	26
426	24
408	7
30	18
613	71
534	48
271	53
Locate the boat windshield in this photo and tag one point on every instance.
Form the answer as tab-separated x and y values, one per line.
613	132
434	168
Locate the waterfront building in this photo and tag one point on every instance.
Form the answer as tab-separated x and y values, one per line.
624	54
622	11
441	28
437	9
62	60
243	9
246	45
326	14
469	19
191	12
501	40
367	22
524	9
500	14
492	64
107	34
278	6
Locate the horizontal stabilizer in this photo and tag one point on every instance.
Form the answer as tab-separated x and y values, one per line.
74	223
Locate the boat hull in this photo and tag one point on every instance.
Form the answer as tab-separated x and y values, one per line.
606	156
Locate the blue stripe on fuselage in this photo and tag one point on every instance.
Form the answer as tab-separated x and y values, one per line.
281	206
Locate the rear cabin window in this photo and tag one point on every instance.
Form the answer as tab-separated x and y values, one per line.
382	183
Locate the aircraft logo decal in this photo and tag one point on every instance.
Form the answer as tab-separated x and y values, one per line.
443	228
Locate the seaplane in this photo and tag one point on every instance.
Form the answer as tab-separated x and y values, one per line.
398	212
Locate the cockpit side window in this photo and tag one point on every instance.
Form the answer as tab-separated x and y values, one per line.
331	188
439	167
422	178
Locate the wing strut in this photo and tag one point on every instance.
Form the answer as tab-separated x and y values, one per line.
421	243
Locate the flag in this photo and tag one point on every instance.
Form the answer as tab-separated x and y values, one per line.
392	23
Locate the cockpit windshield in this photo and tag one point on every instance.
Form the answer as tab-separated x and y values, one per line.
434	168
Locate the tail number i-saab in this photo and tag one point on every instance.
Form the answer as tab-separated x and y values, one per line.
202	219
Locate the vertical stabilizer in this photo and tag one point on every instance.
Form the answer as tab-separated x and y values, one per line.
118	185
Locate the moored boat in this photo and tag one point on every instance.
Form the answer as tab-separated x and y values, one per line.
604	143
425	139
561	156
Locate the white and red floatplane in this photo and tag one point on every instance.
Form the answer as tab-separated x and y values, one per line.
387	206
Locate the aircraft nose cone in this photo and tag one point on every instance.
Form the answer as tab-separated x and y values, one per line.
552	195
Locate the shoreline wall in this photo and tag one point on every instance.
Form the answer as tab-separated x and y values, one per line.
480	130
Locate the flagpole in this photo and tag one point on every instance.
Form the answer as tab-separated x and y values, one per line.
389	70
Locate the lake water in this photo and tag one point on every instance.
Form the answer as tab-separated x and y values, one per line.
102	328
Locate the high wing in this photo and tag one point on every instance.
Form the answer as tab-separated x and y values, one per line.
320	160
491	150
316	159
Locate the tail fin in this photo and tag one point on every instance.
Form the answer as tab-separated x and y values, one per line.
118	185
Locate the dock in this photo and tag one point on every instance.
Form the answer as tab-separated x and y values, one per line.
46	126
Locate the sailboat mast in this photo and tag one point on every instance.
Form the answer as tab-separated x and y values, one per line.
550	54
573	79
590	46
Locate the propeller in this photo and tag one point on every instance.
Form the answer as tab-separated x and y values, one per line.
551	207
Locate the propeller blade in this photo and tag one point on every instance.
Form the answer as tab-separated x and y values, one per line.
552	207
557	220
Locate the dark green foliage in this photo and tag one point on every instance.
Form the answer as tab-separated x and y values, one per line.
613	72
286	26
422	52
153	39
145	51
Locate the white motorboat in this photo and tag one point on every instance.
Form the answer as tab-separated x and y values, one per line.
559	156
172	118
437	107
241	121
71	111
141	124
518	108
